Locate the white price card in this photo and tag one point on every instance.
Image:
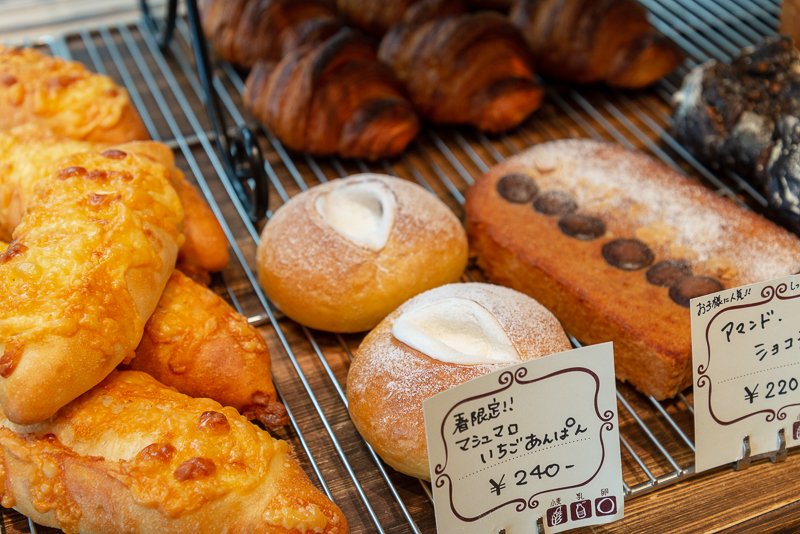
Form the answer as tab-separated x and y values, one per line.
746	361
536	440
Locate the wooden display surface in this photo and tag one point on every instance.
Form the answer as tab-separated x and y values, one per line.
790	19
310	368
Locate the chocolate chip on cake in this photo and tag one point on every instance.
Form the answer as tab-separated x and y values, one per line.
693	286
584	227
668	272
627	254
517	188
555	203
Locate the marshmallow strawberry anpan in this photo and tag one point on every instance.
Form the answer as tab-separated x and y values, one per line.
344	254
436	341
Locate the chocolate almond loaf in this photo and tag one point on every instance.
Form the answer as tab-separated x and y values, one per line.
615	244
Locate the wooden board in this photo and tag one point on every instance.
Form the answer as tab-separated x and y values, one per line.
790	19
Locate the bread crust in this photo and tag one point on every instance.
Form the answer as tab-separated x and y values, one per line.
84	272
389	380
321	279
609	41
115	460
64	97
196	343
333	98
636	198
245	31
463	68
28	154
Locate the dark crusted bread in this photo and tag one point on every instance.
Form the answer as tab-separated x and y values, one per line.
615	244
743	117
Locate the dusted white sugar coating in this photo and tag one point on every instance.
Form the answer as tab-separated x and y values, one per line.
455	330
362	212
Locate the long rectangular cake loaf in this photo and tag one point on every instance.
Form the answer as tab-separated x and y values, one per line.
615	244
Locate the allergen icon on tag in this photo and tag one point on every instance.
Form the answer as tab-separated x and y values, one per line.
580	510
605	505
557	515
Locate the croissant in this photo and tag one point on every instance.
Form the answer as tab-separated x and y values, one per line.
64	97
334	98
246	31
196	343
463	68
84	272
132	455
589	41
373	16
29	153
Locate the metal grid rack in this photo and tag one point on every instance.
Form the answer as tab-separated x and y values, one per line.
310	367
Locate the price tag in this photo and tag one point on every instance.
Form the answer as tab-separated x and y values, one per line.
746	356
536	440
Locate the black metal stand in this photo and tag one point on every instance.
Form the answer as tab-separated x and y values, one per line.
238	147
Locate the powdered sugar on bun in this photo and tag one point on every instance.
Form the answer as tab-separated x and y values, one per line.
455	330
389	378
344	254
361	209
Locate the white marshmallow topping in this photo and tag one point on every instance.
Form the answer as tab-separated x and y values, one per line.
455	330
362	212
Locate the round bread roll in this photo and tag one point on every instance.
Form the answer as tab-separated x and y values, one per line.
433	342
342	255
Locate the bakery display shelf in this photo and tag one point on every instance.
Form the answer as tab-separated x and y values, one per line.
310	367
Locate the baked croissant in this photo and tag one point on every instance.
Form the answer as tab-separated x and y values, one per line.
373	16
246	31
333	98
588	41
65	98
29	153
463	68
85	270
132	455
196	343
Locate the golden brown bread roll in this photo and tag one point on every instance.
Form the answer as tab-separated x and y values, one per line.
65	98
205	247
189	323
199	345
84	272
29	153
588	41
463	68
342	255
615	244
333	98
436	341
134	456
247	31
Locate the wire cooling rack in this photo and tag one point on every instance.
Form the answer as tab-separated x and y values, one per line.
310	367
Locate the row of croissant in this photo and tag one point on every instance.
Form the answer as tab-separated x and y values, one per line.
98	217
322	86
